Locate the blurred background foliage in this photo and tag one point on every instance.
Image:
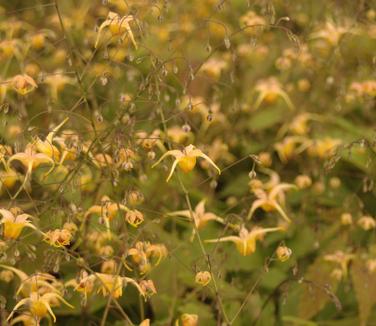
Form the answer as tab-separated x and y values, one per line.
268	89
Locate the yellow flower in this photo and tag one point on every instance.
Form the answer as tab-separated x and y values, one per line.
46	147
342	259
56	82
145	255
246	241
134	217
117	26
346	219
324	148
303	181
14	222
58	238
23	84
283	253
203	278
186	159
271	199
148	288
367	223
25	319
200	216
85	284
331	33
30	159
299	124
40	305
113	284
33	283
8	179
290	146
214	67
269	90
189	320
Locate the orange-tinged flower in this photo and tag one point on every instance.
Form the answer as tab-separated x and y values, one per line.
246	241
58	238
186	159
23	84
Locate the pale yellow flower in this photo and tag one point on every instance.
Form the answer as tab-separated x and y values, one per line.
269	90
200	216
186	159
188	320
203	278
39	305
342	259
271	199
30	159
46	146
13	222
246	240
367	222
118	26
113	284
33	283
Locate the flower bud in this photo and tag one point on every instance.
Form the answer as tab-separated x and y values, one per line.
283	253
203	278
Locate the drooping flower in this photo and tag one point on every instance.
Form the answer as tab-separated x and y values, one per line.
46	146
85	284
146	255
269	90
118	26
199	215
58	237
246	240
23	84
342	259
113	284
34	282
14	221
270	196
186	159
31	159
39	305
